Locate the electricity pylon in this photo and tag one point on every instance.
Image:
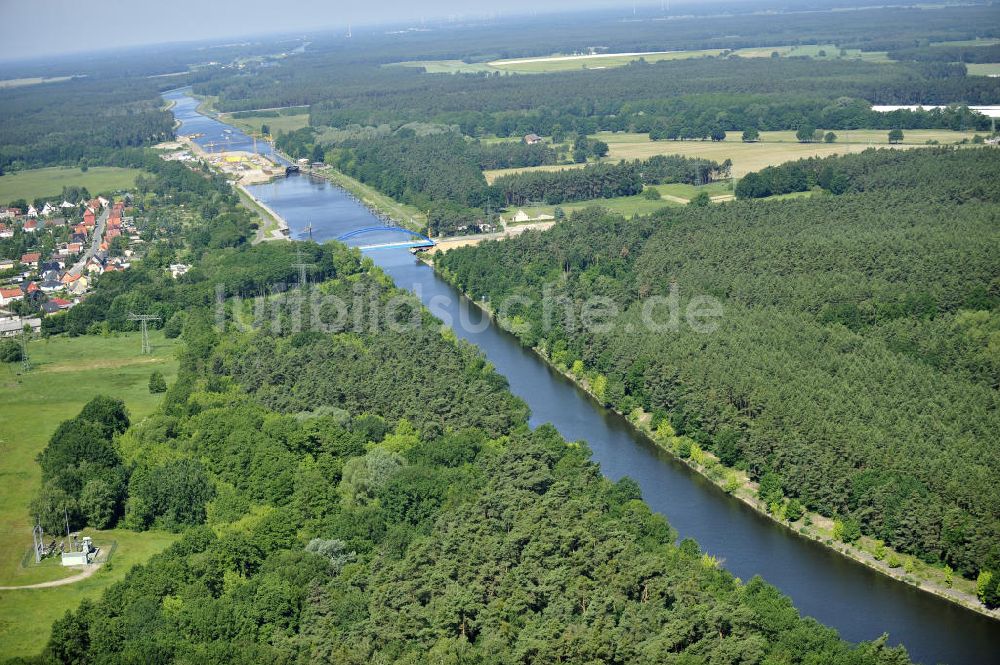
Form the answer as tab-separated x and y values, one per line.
144	320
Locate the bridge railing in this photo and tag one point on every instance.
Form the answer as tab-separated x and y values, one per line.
380	229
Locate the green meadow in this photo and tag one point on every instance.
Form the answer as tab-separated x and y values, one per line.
65	373
38	183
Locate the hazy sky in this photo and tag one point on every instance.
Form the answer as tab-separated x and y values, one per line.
35	28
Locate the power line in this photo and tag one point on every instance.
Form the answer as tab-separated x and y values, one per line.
302	267
25	363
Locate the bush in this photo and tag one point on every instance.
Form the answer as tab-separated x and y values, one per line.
794	510
11	351
846	531
157	384
700	200
651	194
988	588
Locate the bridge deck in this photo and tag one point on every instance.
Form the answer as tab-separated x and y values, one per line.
392	245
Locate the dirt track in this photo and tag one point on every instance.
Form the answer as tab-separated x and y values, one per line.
87	572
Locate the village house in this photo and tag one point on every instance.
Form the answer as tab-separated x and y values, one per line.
30	259
532	139
56	305
32	212
6	264
51	285
6	231
521	216
9	295
30	226
94	266
10	213
89	219
79	286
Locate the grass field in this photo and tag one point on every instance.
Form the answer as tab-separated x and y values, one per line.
984	69
66	373
673	195
773	148
283	123
36	183
26	616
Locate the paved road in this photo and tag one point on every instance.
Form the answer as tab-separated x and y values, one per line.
95	242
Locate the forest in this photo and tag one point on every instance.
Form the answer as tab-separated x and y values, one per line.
340	503
80	121
336	64
855	364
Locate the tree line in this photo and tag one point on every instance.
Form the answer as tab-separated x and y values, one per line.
879	169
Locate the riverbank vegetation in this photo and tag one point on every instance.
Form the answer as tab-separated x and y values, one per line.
852	369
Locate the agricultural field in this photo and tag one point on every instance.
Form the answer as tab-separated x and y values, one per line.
446	66
773	148
565	63
984	69
34	80
283	123
36	183
65	373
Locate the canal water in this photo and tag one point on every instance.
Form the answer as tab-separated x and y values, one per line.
860	603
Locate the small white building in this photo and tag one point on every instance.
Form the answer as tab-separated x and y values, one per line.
178	269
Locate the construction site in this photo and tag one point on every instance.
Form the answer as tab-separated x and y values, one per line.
244	167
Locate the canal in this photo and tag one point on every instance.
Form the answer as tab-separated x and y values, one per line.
860	603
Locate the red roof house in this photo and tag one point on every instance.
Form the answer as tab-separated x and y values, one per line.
8	296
